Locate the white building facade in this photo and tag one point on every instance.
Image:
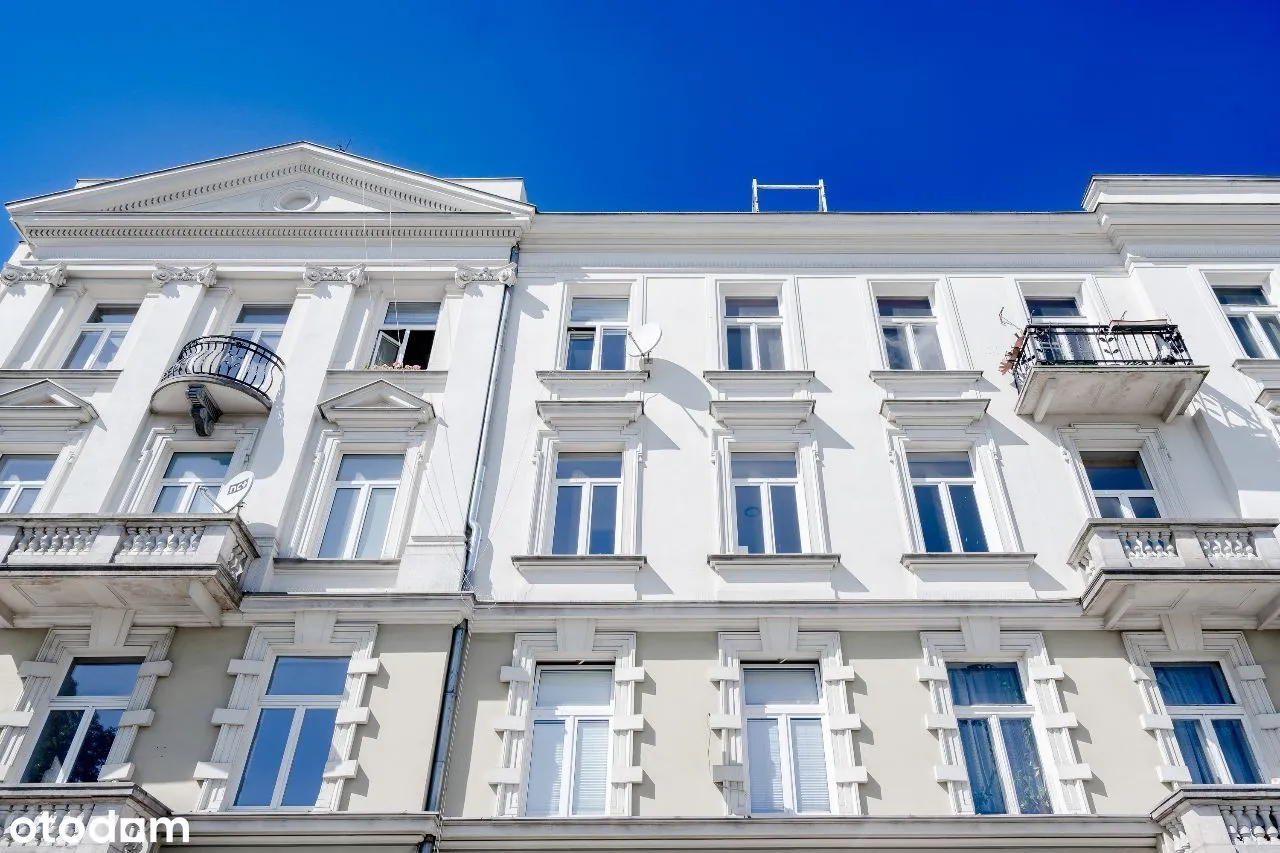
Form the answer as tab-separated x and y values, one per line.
918	531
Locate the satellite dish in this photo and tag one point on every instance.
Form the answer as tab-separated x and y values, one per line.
234	491
642	341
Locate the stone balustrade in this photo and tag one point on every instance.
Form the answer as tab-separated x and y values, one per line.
1235	545
1220	819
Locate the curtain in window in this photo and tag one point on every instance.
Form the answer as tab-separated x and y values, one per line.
764	758
598	310
985	684
1236	752
980	761
1192	684
797	686
1024	764
1194	755
809	766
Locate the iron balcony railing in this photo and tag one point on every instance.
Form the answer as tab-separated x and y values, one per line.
1085	346
243	364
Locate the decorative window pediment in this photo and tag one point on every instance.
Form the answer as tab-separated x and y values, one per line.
943	412
589	414
44	404
737	414
377	404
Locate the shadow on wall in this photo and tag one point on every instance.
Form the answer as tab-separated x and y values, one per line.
1248	428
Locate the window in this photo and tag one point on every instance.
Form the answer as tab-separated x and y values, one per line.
1208	724
569	748
406	337
82	721
1255	321
363	497
597	334
191	482
910	333
753	333
766	503
786	753
999	744
262	324
101	337
1120	485
946	502
21	478
295	728
1065	345
586	503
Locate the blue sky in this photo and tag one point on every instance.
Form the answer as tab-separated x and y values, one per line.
959	105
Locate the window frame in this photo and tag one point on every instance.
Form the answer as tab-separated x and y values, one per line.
1150	447
143	489
1124	496
570	716
948	509
1267	349
784	714
765	486
1204	715
754	324
103	330
382	325
585	507
597	330
945	315
13	488
364	489
810	503
909	324
192	487
550	444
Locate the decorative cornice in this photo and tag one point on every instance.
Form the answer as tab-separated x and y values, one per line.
505	275
257	232
55	276
356	276
205	276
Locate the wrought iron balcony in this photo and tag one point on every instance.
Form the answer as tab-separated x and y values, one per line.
1120	368
219	374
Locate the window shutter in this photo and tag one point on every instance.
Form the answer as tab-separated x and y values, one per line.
546	766
591	768
809	763
598	310
794	686
567	687
764	759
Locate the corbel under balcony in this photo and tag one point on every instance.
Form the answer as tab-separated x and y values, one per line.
576	384
1136	570
736	414
1002	575
1266	372
961	412
758	382
929	384
589	414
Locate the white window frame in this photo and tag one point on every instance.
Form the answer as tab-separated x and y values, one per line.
810	504
1204	715
44	419
380	324
985	516
364	489
569	716
941	296
573	641
314	633
550	444
588	486
1245	679
1145	441
1264	278
780	640
908	324
103	330
981	640
782	715
88	706
785	290
143	488
754	324
632	290
766	502
110	636
191	487
13	488
1124	496
597	328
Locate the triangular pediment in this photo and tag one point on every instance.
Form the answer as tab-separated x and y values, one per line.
293	179
44	403
378	403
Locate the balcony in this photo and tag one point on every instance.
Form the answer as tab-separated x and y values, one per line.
185	568
1139	368
1219	818
219	375
90	803
1135	570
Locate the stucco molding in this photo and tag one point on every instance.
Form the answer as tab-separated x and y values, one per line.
205	276
313	274
54	275
504	275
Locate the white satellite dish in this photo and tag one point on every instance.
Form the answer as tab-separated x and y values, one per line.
642	341
234	491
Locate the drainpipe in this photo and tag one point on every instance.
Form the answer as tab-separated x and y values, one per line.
458	644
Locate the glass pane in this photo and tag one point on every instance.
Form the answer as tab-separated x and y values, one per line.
96	746
737	341
750	516
751	306
745	466
27	468
202	500
341	515
604	519
170	499
964	506
51	749
377	517
546	767
1110	507
764	759
581	347
362	467
1044	308
110	347
904	306
793	685
980	763
575	466
985	684
82	351
1271	330
26	500
386	349
933	525
119	315
270	340
564	535
1194	755
590	768
1144	507
1240	295
592	309
896	348
413	313
266	756
198	466
310	755
1024	763
613	350
307	676
1115	471
939	465
769	339
100	678
786	520
1236	752
928	350
1240	325
582	686
4	496
809	767
1192	684
264	315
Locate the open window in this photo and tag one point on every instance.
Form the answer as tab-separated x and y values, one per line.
406	336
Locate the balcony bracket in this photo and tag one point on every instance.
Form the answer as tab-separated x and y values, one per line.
204	411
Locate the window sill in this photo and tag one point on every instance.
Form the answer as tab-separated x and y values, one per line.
758	381
621	563
966	559
774	562
1265	370
78	381
417	382
989	575
592	382
933	384
314	563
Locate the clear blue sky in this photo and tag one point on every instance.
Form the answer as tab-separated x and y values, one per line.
604	105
